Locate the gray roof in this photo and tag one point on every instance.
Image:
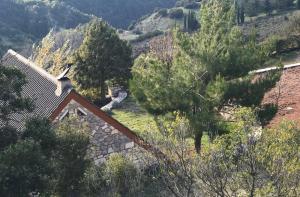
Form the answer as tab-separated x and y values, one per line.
40	88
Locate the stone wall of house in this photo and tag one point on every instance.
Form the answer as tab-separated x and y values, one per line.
105	139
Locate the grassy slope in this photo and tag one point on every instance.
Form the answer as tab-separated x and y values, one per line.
138	120
134	117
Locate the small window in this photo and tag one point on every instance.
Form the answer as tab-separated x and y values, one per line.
65	114
81	112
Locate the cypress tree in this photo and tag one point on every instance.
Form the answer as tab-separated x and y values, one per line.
268	7
185	26
242	13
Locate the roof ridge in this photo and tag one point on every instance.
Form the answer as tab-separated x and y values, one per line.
32	65
274	68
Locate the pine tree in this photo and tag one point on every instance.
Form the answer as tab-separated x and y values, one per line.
200	75
101	57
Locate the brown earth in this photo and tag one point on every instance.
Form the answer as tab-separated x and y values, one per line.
286	94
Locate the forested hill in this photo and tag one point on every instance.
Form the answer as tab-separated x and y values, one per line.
119	13
23	22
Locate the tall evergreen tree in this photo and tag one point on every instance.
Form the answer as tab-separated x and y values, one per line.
185	23
102	56
268	7
197	76
240	11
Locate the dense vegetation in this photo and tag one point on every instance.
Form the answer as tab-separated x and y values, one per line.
33	19
192	82
101	57
119	13
199	75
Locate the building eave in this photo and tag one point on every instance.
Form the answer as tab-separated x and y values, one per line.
73	95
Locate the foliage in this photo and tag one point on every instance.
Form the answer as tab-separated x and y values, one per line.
119	176
41	131
102	56
190	22
8	136
268	7
196	75
122	176
192	5
163	12
23	169
248	161
255	7
44	160
147	36
71	158
280	157
176	13
120	13
11	100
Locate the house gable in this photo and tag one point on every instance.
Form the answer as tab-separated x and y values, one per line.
107	135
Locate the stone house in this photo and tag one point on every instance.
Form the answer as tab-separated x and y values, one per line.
55	99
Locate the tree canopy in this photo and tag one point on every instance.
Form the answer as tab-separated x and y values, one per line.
101	57
196	74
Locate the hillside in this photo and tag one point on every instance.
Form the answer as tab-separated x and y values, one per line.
119	13
33	19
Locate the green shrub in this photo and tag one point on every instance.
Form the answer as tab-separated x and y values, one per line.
176	13
192	5
116	177
148	36
162	12
137	31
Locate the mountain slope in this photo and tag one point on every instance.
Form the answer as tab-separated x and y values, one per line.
25	22
119	13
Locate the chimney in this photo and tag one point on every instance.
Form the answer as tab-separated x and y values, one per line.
63	82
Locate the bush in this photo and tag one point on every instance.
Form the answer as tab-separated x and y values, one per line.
120	31
23	169
137	31
71	160
148	36
176	13
117	177
162	12
8	136
192	5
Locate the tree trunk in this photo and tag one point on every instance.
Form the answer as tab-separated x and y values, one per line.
198	137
